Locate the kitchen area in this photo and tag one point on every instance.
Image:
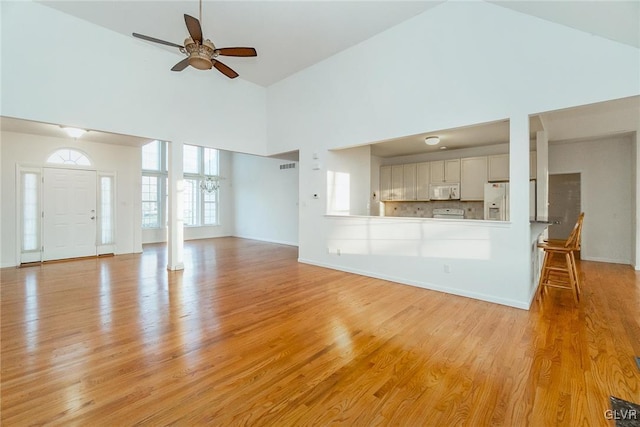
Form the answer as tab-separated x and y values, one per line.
475	188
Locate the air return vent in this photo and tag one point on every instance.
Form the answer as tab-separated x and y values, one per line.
288	166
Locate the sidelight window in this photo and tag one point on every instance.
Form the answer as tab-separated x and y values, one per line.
106	210
30	192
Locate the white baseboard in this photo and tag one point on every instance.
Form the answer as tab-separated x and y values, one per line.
609	260
260	239
426	285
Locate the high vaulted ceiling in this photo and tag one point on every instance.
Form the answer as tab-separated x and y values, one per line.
292	35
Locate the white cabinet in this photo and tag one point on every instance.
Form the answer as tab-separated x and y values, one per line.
498	167
409	186
533	164
422	181
411	181
472	178
398	182
385	183
445	171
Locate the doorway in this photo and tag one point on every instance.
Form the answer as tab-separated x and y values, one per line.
69	213
564	203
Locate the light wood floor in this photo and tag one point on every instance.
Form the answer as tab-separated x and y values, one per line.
248	336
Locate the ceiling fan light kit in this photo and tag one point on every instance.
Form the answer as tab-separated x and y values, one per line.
201	53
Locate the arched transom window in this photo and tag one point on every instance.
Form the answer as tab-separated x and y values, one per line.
68	156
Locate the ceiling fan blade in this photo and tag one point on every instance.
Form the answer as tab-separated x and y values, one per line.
224	69
181	65
153	39
193	25
237	51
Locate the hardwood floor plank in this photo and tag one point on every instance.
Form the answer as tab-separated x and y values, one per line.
246	335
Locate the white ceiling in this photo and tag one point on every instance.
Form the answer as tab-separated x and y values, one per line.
292	35
288	35
617	20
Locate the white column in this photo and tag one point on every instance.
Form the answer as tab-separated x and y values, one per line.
519	169
542	175
523	255
175	238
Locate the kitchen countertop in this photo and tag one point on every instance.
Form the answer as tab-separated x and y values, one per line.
537	228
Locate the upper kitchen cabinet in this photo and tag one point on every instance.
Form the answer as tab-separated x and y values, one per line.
473	178
445	171
409	185
398	182
498	167
533	164
422	181
385	183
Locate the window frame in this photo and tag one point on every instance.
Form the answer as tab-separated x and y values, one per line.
199	203
199	194
161	176
109	246
32	255
65	164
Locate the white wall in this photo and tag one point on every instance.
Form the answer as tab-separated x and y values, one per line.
86	76
226	220
265	199
33	150
605	167
458	64
348	184
457	257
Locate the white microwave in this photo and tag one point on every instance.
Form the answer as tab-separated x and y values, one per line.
446	191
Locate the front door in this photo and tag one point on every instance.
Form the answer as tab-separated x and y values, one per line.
69	204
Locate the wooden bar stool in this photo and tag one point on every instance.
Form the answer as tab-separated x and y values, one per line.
559	269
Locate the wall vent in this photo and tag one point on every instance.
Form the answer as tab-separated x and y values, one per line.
288	166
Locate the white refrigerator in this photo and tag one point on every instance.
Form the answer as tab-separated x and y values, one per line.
496	201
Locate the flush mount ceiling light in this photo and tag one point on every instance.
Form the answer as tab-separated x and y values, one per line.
432	140
73	132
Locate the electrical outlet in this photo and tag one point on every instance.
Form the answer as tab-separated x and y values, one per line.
447	268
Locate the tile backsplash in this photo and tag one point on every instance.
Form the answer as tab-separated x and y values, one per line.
472	210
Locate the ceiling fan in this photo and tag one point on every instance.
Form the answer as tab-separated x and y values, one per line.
202	53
